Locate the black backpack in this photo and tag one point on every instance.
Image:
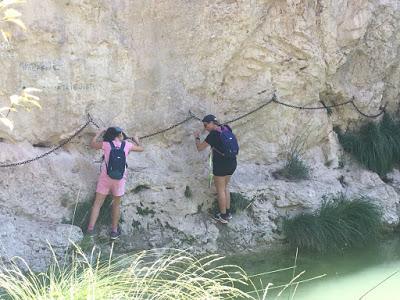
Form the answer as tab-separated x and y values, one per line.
116	162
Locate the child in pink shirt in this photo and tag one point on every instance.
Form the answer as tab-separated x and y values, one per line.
107	185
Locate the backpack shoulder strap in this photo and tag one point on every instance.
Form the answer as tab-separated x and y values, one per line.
112	145
226	127
122	145
219	152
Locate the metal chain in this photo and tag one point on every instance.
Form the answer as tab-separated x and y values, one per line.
325	107
312	108
382	110
351	101
166	129
246	114
90	119
193	116
252	111
63	143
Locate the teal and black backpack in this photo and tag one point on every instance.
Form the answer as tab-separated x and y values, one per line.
117	162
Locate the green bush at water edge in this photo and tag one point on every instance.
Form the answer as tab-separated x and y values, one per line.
338	224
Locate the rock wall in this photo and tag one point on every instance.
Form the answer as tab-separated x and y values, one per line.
144	64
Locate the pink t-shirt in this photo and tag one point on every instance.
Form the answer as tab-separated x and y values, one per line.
107	149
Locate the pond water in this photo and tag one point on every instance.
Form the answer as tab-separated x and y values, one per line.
349	275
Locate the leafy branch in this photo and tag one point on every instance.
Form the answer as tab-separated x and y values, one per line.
26	99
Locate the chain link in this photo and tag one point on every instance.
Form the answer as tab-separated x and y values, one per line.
166	129
246	114
312	108
63	143
252	111
381	108
90	119
194	117
327	107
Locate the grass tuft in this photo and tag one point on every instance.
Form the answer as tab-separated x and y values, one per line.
81	215
239	202
375	145
295	169
157	274
175	274
337	225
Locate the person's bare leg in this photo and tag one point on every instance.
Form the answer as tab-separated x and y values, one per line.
97	204
115	213
219	182
227	193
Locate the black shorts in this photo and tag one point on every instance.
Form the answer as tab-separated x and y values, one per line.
224	167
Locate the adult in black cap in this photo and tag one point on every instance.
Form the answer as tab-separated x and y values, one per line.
224	150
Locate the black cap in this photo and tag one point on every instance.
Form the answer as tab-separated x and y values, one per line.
209	118
118	129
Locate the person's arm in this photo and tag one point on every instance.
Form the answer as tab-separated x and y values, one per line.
200	145
137	146
94	143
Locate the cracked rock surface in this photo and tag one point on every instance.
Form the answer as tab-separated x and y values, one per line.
143	65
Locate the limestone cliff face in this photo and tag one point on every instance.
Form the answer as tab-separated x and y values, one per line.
144	64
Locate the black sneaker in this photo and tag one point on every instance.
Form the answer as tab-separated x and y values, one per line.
115	235
220	218
228	216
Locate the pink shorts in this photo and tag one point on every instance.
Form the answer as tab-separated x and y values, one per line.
105	185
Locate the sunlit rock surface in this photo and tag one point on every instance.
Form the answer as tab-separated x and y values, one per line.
143	65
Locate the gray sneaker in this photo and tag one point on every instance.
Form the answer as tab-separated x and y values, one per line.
90	233
220	218
115	235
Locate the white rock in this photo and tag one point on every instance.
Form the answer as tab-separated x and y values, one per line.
143	65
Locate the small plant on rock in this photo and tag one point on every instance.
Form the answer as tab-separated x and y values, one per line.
188	192
239	202
295	169
145	211
139	188
82	214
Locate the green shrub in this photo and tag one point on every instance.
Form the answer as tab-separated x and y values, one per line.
295	169
374	145
338	224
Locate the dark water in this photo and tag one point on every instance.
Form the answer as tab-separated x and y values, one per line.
349	275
